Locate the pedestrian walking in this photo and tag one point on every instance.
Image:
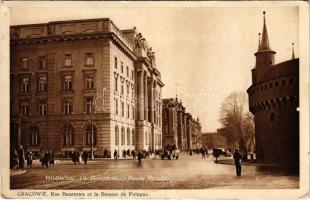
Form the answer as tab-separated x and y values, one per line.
140	156
238	159
203	153
79	157
29	159
85	157
115	154
52	161
21	157
42	159
46	158
15	160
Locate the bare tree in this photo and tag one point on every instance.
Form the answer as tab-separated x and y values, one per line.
238	121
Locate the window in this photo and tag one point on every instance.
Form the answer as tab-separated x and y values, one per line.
133	112
284	101
123	109
68	106
270	85
42	85
89	59
67	60
91	135
122	89
127	89
116	136
128	137
272	117
26	84
277	83
89	104
116	107
116	83
291	80
122	67
67	82
42	63
115	62
68	139
90	81
128	111
33	137
25	63
127	71
123	136
42	107
25	109
132	75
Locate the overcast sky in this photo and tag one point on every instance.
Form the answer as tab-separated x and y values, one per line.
207	51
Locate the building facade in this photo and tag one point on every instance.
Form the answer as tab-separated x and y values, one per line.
179	127
273	100
219	139
85	85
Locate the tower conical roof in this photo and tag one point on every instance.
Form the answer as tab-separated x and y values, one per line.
264	44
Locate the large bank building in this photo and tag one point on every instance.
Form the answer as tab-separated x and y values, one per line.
274	99
85	85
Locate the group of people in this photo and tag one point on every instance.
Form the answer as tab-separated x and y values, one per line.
204	152
46	158
77	157
134	154
19	157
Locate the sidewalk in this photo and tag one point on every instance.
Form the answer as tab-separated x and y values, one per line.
14	172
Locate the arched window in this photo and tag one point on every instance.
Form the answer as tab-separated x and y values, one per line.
123	137
133	137
116	136
33	137
128	137
67	132
91	135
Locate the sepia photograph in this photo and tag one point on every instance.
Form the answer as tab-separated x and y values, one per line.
154	99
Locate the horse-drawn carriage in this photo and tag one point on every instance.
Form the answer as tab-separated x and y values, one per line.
170	152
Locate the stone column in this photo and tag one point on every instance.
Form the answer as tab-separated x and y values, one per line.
140	95
145	106
151	100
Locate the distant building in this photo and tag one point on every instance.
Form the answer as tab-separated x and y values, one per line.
83	84
274	99
179	128
219	139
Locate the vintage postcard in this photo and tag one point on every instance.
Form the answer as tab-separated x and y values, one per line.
141	100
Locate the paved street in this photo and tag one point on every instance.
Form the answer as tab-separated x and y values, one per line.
189	172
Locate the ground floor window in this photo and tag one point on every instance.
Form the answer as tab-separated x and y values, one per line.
91	135
68	137
33	137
